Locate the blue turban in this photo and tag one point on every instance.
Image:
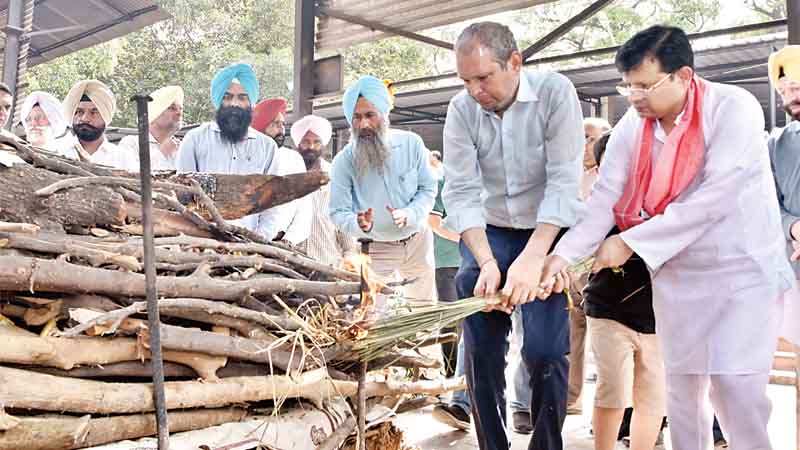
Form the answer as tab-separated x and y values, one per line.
371	89
242	72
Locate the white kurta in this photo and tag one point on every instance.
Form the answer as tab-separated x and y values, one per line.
716	255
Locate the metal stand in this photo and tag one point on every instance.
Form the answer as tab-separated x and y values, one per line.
153	320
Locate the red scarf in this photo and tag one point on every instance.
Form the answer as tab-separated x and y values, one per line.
650	187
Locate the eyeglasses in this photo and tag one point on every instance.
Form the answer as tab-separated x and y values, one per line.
314	145
626	90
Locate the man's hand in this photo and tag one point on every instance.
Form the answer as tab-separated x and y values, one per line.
796	253
364	219
399	215
522	280
613	253
555	276
795	230
487	285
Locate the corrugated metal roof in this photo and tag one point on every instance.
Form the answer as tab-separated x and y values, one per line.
740	61
408	15
95	21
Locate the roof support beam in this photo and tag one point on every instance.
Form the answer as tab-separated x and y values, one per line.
564	28
130	16
13	31
303	83
381	27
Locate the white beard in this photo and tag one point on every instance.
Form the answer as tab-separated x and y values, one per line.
40	139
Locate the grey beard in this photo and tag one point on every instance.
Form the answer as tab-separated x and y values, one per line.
370	152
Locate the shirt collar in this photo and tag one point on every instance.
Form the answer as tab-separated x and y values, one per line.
525	92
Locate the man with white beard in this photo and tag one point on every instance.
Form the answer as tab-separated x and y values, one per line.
382	189
43	120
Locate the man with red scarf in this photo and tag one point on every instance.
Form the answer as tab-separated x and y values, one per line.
686	178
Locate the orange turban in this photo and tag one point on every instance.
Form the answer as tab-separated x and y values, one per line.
266	111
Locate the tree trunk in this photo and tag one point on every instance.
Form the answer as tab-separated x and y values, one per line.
92	206
237	196
64	433
30	390
20	273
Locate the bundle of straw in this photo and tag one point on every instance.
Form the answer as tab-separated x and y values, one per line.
419	319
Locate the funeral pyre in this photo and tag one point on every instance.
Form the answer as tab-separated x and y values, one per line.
251	330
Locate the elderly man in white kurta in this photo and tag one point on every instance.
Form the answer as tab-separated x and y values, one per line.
687	178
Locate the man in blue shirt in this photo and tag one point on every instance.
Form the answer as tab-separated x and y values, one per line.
513	147
382	189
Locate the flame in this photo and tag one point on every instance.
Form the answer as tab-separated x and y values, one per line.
360	263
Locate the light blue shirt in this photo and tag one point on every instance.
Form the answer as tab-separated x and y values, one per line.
406	183
204	150
518	170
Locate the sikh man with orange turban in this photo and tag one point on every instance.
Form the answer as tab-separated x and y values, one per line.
294	218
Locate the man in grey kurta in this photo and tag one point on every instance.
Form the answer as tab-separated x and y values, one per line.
784	153
228	145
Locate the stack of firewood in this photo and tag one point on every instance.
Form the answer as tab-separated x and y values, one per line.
246	324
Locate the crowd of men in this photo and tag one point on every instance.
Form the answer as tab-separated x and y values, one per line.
690	215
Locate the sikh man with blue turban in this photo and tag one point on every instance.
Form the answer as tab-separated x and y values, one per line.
382	189
228	145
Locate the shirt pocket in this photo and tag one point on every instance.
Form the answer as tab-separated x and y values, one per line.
407	185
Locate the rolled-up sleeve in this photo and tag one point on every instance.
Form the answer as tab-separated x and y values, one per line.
563	146
462	192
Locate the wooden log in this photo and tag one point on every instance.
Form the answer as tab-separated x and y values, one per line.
19	273
67	354
237	196
136	369
30	390
98	205
68	248
64	433
270	251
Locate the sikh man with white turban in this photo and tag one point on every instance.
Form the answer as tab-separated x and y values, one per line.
294	218
43	120
92	105
784	152
311	135
229	145
382	189
165	113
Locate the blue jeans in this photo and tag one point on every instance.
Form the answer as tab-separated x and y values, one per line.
521	402
545	328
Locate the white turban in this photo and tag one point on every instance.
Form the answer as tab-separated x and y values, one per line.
51	107
318	125
99	93
162	99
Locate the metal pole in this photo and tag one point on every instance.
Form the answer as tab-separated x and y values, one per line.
153	320
13	31
304	34
793	21
361	396
772	107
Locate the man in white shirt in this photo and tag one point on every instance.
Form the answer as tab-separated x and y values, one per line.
325	242
686	177
165	112
91	106
294	218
